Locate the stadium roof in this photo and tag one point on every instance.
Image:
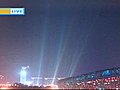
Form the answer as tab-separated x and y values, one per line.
106	73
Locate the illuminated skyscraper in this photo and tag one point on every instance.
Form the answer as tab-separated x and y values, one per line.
23	75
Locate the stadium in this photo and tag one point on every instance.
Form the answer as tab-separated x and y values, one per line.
104	79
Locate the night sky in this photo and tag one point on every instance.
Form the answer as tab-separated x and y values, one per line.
60	38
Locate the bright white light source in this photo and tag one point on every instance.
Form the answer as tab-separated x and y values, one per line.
23	75
28	83
4	88
23	72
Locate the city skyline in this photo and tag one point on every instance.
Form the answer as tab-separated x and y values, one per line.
60	38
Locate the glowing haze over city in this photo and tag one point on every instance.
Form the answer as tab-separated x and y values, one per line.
59	38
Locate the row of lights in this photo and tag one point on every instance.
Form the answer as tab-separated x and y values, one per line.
44	78
95	83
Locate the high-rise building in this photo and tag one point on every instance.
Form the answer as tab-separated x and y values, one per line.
23	75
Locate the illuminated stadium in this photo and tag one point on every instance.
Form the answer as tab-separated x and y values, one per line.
104	79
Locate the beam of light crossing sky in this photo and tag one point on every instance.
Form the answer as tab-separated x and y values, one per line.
74	66
78	57
41	54
61	48
42	51
58	56
43	42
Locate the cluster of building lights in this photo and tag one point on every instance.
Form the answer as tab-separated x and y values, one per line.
5	85
38	81
105	83
108	83
106	79
35	81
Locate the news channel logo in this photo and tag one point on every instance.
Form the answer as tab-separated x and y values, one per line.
12	11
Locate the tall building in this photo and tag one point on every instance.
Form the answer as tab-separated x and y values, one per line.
23	75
